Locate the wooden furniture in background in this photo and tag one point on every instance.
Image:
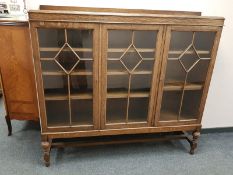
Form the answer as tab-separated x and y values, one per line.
110	73
0	88
17	72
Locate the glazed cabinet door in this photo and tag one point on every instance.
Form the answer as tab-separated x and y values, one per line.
188	60
130	63
67	71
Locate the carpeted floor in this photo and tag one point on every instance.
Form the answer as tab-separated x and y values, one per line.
21	154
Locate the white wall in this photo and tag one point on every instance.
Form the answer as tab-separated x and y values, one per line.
219	106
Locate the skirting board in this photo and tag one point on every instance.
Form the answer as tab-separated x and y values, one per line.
216	130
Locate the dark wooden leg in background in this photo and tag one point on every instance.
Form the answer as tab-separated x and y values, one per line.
193	143
46	145
8	122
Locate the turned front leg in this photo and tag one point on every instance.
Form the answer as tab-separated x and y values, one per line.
46	145
193	143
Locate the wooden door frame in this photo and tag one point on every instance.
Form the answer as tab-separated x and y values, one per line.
38	73
155	75
168	32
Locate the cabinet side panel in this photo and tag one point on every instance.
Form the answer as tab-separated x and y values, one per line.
209	73
17	73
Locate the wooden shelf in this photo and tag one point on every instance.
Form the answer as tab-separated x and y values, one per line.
175	52
57	73
115	120
179	86
131	50
174	59
178	52
56	49
52	59
54	124
118	72
120	94
117	59
81	96
124	94
167	116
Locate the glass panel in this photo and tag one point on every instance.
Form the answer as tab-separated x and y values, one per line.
85	55
191	103
119	38
146	66
55	85
81	42
115	55
145	39
67	58
147	54
117	83
84	66
50	66
129	65
189	59
57	112
82	112
67	53
131	59
50	41
81	84
115	66
198	73
180	40
174	72
138	109
51	37
116	110
141	83
170	105
79	38
50	54
188	63
204	41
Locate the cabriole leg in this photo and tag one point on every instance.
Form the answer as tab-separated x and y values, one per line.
193	143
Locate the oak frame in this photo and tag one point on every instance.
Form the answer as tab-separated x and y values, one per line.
155	72
218	31
139	21
44	125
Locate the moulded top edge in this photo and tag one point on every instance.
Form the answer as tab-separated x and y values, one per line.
118	10
122	14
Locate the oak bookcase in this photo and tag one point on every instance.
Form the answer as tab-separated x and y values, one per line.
115	71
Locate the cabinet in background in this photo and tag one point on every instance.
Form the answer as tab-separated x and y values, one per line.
17	72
